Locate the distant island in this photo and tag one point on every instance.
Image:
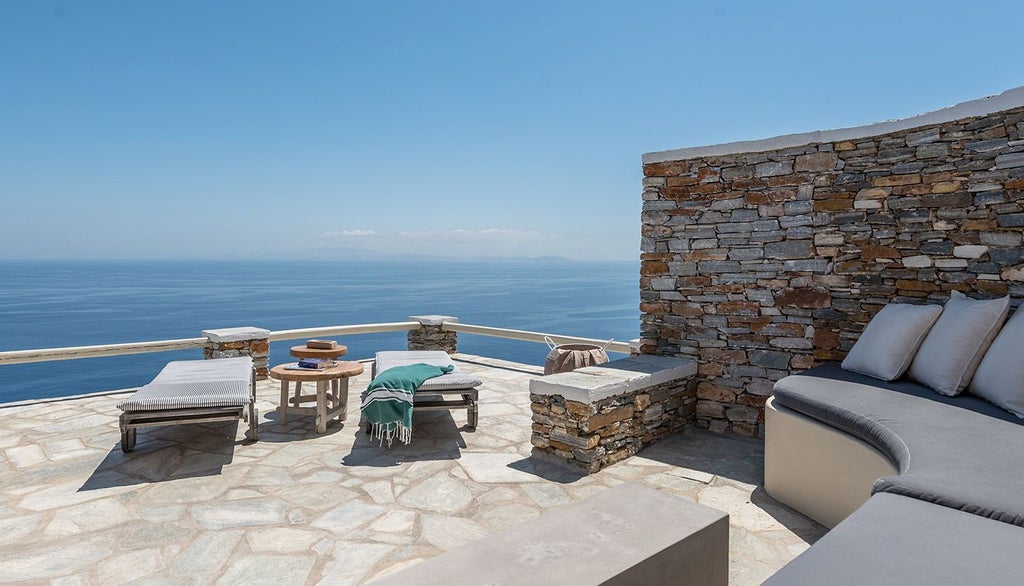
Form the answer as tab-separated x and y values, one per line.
359	254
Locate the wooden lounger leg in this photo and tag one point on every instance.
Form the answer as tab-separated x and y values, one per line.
471	412
127	439
254	426
254	413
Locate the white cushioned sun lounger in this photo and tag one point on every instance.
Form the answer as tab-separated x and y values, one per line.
193	391
434	394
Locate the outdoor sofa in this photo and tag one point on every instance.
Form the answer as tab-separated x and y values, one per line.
921	487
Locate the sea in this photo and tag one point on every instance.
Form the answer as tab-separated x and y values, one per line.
56	304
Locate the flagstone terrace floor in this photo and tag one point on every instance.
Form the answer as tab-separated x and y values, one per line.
197	504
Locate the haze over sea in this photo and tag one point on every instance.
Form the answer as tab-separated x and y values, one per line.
53	304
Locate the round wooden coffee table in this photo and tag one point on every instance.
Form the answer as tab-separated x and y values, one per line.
328	405
331	354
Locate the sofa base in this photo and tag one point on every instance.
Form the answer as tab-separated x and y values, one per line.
822	472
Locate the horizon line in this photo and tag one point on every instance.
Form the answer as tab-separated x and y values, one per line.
313	259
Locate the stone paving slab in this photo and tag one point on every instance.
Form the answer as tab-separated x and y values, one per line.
199	504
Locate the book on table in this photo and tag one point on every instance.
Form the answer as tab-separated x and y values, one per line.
311	364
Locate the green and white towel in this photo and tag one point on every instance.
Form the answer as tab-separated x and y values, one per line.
387	400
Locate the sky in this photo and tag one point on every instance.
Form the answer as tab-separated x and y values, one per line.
228	130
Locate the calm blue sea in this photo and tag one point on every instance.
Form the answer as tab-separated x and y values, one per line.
53	304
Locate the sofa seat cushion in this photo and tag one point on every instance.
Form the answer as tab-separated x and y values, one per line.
960	452
893	539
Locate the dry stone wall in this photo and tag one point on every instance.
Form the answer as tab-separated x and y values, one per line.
591	436
762	264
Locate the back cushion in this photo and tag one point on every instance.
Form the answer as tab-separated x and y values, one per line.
889	343
1000	376
957	342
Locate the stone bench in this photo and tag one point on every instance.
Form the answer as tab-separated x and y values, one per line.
598	415
629	534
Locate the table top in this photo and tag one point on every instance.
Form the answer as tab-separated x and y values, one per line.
339	370
304	352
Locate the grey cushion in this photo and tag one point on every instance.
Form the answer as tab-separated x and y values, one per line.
961	452
897	540
948	357
446	382
188	384
887	346
1000	377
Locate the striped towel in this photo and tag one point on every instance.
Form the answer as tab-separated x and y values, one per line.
387	400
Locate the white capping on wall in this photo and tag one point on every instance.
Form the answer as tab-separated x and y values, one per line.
236	334
593	383
434	320
1013	98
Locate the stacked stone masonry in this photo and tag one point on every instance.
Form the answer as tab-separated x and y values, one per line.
762	264
431	334
258	349
433	338
592	436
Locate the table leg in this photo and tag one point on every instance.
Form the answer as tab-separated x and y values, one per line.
336	394
284	402
343	397
321	406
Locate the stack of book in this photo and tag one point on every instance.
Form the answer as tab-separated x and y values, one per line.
316	363
312	364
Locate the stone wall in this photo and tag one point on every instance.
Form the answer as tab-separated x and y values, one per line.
761	264
594	435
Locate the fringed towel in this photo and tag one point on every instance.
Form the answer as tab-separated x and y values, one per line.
387	400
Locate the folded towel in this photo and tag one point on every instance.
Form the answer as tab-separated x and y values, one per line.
387	400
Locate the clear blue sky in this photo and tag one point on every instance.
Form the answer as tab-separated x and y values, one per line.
228	129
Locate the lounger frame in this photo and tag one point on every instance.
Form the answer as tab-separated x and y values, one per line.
132	420
436	400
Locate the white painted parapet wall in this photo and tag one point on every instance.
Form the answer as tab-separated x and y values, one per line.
72	353
1007	100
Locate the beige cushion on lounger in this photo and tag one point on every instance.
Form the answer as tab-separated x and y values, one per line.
446	382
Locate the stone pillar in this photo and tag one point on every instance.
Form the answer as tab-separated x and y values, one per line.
431	336
245	341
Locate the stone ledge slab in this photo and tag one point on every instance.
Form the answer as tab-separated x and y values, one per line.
223	335
434	320
593	383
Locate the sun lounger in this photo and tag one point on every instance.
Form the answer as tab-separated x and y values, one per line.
193	391
436	393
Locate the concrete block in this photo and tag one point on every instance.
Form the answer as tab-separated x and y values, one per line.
629	534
